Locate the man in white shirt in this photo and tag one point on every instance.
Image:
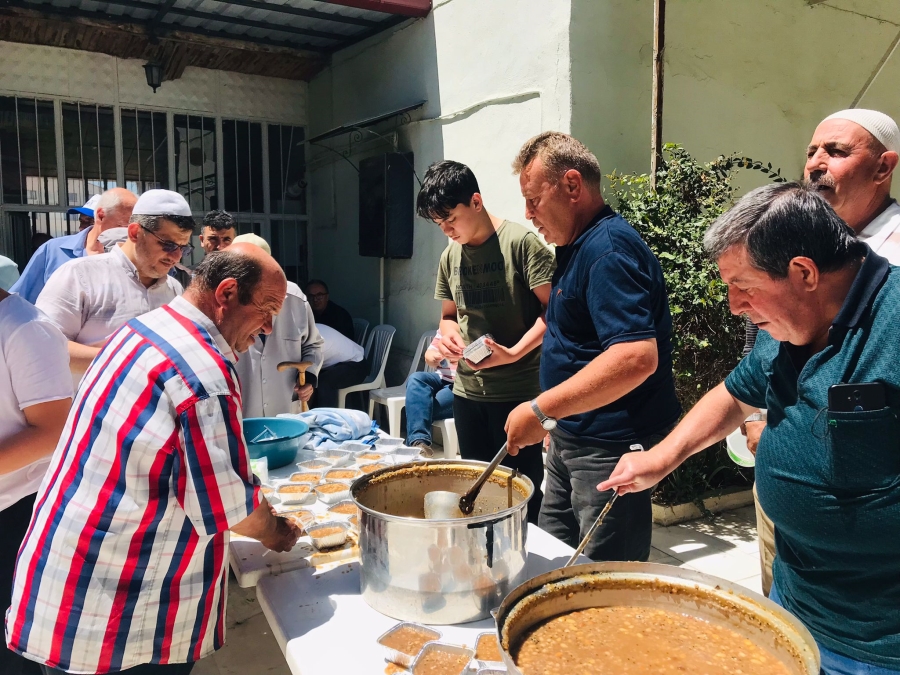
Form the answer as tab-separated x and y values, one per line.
35	395
92	297
265	392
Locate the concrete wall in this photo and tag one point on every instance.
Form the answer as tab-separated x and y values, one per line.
34	70
747	76
493	74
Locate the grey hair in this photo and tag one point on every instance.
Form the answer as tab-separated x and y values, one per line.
559	153
153	223
779	222
218	266
109	201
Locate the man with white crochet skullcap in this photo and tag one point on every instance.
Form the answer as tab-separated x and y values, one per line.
850	161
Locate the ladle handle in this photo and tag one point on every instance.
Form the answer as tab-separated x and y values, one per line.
590	532
467	501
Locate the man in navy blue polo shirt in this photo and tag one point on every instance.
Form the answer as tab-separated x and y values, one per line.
828	463
112	210
606	367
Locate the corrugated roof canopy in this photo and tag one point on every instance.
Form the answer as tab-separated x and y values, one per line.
308	29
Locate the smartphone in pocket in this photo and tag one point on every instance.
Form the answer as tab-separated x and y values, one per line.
857	397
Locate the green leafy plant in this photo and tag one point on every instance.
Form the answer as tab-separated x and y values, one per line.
706	337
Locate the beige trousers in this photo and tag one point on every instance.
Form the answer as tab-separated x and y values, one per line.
765	531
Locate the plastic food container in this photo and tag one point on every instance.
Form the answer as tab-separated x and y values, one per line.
324	536
401	657
369	467
345	475
317	464
346	505
292	493
313	477
388	443
337	457
740	454
301	517
432	648
331	495
488	663
369	455
355	446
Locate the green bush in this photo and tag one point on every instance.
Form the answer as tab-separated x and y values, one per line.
706	338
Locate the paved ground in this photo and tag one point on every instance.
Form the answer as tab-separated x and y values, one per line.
725	547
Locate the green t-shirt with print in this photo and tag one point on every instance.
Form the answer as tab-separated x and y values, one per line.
491	285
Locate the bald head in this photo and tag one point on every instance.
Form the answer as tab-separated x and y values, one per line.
114	209
241	289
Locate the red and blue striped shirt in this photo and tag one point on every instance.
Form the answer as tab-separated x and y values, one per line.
125	559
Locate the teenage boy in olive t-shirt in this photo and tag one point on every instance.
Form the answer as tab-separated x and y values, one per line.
494	277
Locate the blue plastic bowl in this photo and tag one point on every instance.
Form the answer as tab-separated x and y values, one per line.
281	450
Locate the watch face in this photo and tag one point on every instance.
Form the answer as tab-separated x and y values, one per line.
548	424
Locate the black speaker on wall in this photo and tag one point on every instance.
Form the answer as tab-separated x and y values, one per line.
386	206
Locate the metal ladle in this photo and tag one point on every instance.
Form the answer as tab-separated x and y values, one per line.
443	504
590	533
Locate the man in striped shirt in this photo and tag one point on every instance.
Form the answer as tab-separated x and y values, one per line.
124	565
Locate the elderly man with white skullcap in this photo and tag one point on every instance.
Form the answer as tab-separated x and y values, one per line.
850	162
92	297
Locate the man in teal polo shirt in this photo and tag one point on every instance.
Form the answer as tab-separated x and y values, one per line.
828	310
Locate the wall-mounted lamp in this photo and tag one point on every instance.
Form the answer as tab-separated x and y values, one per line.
154	74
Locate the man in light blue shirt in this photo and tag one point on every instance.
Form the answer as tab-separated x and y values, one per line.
113	210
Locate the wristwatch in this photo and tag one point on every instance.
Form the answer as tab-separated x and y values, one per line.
760	416
548	423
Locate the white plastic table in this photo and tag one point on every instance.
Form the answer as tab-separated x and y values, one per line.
324	626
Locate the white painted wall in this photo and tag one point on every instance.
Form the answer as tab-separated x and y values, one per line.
33	70
747	76
494	74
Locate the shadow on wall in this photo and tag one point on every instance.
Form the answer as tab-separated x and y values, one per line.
385	74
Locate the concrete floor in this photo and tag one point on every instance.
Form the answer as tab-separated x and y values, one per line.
725	547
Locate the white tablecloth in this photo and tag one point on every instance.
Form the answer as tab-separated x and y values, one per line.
324	626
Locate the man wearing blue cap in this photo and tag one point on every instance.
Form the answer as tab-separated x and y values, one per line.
92	297
113	209
85	213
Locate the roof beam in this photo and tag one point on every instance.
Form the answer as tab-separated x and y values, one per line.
298	11
413	8
225	18
390	22
241	21
108	18
161	13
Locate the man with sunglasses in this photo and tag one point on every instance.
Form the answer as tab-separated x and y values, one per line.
92	297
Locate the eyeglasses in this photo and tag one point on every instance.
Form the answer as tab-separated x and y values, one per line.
170	246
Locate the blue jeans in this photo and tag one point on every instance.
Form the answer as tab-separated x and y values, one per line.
832	662
428	399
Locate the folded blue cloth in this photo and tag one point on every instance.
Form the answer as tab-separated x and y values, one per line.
329	427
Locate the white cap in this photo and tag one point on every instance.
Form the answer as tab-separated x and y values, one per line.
254	239
876	123
158	202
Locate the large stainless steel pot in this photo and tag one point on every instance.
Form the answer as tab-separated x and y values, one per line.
439	571
661	586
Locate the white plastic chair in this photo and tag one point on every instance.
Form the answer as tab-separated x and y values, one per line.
449	441
360	328
394	398
378	347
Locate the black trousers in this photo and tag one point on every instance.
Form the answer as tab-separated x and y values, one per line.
479	429
338	376
13	526
574	469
